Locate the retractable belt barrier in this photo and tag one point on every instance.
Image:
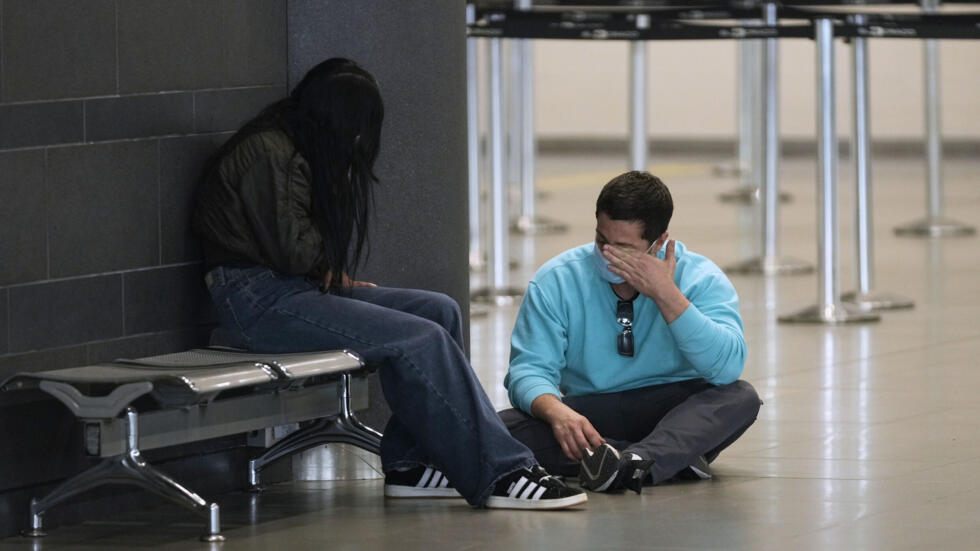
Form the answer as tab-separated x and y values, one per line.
709	24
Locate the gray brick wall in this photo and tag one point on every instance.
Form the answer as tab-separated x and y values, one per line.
108	108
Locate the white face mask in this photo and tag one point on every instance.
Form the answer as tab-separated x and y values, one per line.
602	264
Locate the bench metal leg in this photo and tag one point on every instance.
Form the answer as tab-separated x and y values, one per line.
128	468
345	429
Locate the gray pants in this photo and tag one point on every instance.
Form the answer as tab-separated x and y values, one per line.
672	424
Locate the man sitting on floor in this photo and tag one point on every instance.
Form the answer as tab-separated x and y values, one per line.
626	353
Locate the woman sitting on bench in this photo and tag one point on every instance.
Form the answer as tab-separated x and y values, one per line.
283	212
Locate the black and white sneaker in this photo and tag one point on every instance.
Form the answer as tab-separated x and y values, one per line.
418	482
533	488
599	469
633	472
697	470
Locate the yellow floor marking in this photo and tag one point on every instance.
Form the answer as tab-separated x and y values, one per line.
668	171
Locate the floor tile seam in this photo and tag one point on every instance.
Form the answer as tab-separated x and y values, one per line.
838	459
798	500
834	526
873	514
948	464
844	424
869	424
927	464
850	361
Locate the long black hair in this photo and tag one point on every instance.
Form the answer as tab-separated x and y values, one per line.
333	117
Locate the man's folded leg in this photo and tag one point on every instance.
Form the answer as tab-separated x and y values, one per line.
695	431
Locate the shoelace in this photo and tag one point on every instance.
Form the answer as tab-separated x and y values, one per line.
550	478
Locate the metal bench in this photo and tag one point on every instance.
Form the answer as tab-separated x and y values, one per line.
196	395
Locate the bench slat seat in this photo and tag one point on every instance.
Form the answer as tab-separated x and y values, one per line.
190	391
202	379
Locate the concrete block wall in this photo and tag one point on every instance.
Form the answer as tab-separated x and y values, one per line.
108	109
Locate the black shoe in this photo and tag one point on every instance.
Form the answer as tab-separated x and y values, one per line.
633	470
599	469
418	482
533	488
698	470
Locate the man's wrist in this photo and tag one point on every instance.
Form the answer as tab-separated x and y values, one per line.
546	407
671	302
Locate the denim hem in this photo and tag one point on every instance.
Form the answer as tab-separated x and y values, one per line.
481	501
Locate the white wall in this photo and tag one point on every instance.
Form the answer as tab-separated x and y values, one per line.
581	88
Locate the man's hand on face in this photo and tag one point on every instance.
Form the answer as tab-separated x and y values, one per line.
650	276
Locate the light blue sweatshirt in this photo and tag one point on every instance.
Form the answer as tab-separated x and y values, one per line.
564	340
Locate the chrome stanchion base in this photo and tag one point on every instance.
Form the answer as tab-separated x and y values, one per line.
831	314
770	266
500	297
537	225
749	194
935	227
873	302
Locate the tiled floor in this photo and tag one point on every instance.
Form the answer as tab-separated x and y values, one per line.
869	437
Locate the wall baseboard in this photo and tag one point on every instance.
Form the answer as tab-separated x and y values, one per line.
791	147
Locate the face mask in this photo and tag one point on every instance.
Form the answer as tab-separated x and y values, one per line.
602	264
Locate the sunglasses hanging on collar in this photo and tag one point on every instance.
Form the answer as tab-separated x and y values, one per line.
624	316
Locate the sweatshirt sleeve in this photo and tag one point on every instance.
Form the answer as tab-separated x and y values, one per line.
537	350
709	332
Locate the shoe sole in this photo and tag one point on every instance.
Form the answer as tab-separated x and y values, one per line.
699	473
502	502
396	491
598	471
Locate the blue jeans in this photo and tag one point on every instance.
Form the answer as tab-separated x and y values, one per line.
440	414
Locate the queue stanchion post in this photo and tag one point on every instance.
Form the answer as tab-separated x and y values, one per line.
745	88
743	151
749	134
751	129
829	308
513	107
477	255
769	262
865	297
638	98
935	224
529	222
497	290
